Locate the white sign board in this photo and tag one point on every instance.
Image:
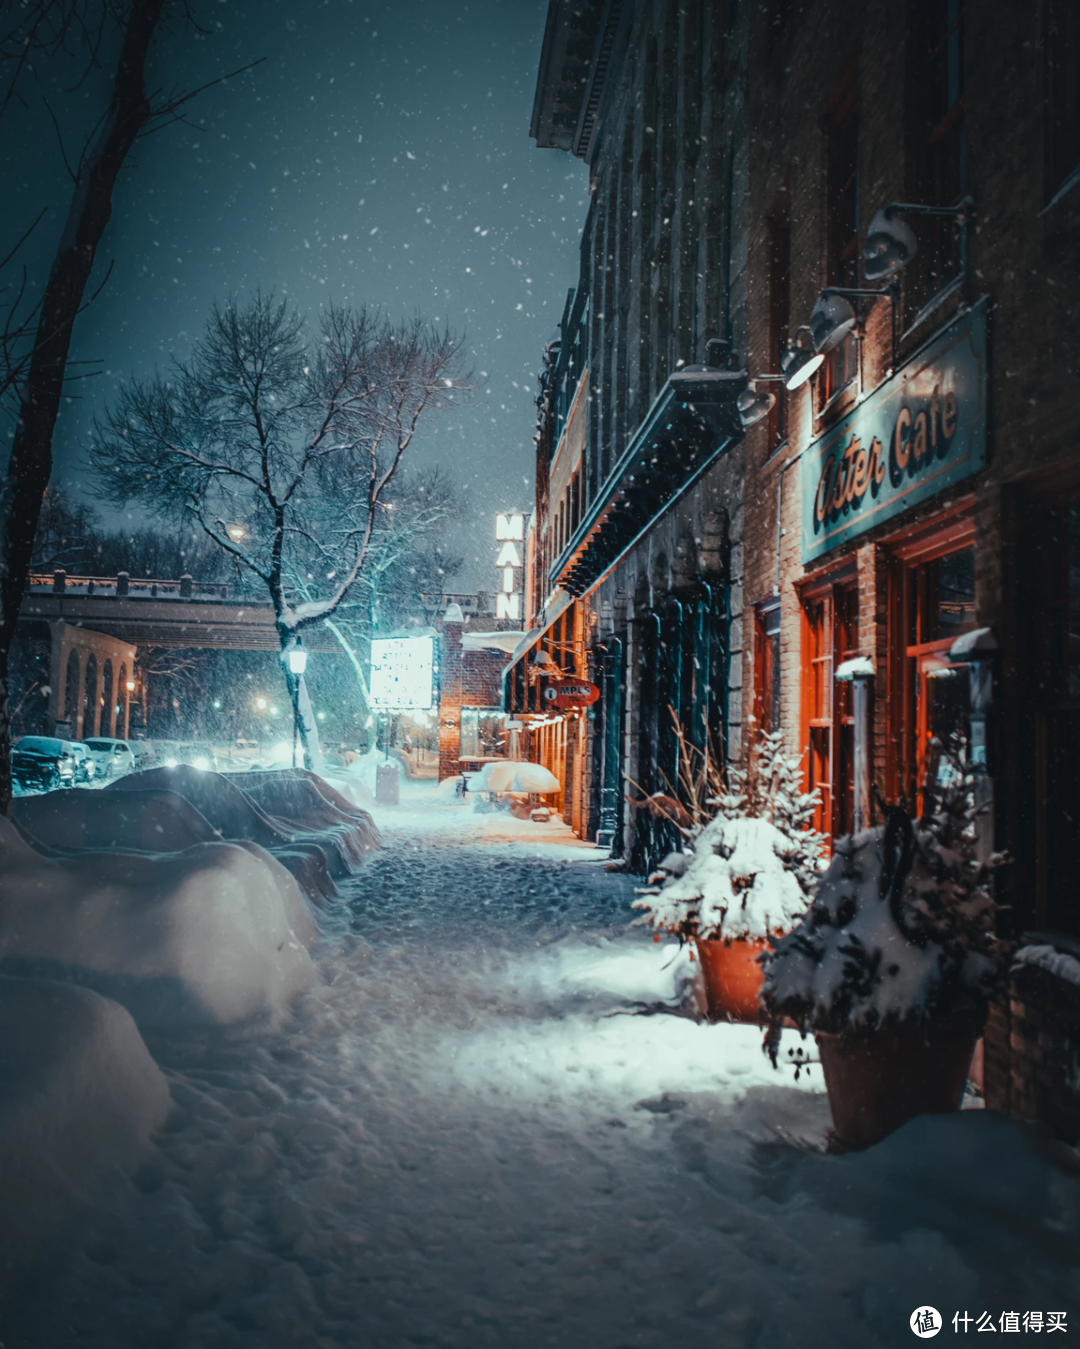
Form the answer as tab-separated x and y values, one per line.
401	672
509	532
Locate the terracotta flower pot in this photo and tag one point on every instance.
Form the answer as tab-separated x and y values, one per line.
732	978
879	1079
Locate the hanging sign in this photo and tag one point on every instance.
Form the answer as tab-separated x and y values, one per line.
510	536
571	694
918	433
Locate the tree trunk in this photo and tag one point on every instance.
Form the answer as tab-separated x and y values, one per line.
305	728
30	465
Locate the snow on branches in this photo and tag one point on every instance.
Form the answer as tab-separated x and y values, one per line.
901	926
747	871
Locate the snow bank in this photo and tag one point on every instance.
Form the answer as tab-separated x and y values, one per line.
349	785
314	830
305	801
79	1098
74	820
736	883
212	935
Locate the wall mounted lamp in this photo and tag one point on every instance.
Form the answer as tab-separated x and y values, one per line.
834	316
799	361
754	405
890	241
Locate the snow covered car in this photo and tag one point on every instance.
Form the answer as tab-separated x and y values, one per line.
112	758
43	763
85	768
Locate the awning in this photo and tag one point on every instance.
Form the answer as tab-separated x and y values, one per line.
693	420
517	695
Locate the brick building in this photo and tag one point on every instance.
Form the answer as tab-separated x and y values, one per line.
635	548
863	224
916	501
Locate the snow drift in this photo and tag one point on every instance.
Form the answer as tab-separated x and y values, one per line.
79	1098
215	934
65	823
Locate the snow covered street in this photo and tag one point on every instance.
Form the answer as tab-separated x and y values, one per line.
495	1122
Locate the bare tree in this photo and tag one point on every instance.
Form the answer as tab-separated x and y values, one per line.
282	449
35	342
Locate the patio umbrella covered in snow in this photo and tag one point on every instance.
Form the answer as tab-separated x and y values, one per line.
511	775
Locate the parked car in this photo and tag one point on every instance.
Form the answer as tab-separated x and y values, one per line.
85	768
43	763
112	758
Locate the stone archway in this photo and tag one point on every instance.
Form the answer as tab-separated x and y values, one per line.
107	720
80	656
69	695
88	722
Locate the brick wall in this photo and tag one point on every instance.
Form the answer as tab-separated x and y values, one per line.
466	679
1032	1052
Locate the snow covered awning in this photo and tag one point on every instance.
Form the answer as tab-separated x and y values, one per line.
492	641
692	422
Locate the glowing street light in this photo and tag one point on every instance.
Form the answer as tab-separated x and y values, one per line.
261	704
237	532
297	661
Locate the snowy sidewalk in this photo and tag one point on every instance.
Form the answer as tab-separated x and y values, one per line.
483	1129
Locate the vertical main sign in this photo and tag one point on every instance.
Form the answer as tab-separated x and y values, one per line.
510	536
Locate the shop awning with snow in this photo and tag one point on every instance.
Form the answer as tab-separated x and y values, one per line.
693	420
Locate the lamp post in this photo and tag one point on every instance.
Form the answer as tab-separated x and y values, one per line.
297	658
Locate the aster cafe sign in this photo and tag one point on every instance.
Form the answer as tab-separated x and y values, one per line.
920	432
510	537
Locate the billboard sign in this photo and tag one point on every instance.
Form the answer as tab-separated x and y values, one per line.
919	432
402	673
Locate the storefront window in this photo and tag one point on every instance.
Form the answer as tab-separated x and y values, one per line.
482	733
831	636
939	601
767	667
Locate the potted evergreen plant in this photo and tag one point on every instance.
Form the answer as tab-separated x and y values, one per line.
742	878
892	965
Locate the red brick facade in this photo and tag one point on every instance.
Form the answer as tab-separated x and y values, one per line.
466	679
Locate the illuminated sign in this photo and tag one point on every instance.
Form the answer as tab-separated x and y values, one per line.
401	672
509	533
571	694
917	434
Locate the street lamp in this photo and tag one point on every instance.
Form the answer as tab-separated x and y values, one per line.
297	659
260	704
237	532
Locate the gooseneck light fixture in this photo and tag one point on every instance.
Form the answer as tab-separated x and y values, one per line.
755	404
799	361
890	241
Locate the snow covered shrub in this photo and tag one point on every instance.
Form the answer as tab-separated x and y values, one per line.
747	872
901	927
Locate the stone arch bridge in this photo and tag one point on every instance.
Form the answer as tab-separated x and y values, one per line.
96	625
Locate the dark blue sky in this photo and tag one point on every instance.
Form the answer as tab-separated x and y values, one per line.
380	154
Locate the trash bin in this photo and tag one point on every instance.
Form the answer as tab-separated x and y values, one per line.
387	784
